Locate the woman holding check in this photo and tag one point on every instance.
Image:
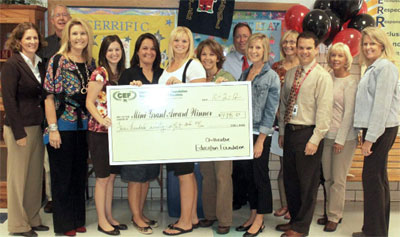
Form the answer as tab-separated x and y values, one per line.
182	68
145	69
217	175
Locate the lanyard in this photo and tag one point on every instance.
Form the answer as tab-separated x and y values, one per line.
297	89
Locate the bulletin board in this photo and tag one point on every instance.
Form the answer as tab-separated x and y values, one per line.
129	19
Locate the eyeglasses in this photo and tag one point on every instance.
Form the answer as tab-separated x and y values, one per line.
65	14
289	42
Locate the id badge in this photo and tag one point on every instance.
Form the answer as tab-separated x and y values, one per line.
295	108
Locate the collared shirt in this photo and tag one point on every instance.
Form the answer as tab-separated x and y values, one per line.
315	100
34	68
378	99
233	64
265	98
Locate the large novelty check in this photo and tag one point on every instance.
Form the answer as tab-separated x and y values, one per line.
180	123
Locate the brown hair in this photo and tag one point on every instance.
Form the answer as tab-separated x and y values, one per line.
105	44
215	48
13	43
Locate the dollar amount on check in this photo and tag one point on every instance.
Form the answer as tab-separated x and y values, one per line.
180	123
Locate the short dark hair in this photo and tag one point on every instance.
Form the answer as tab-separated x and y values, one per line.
215	48
239	25
135	58
105	44
308	35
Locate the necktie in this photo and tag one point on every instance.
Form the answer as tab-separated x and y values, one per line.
245	64
292	96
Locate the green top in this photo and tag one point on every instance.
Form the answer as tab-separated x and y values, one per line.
224	74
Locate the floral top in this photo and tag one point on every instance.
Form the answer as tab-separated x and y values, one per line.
278	68
66	86
101	75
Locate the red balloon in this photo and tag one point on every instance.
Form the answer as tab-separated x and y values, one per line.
294	17
364	9
351	37
346	24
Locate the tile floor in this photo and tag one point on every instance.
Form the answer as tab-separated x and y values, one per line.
352	221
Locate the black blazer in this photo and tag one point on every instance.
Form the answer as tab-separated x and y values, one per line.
23	95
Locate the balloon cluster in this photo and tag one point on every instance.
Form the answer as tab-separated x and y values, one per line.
332	21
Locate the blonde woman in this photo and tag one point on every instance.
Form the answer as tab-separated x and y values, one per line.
290	60
341	140
182	68
376	113
265	96
66	84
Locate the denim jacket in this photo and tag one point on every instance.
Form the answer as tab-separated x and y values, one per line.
265	89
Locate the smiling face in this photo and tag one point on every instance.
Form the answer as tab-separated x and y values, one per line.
29	42
209	59
306	50
338	60
372	49
147	52
242	34
255	51
180	45
289	45
114	53
78	37
60	18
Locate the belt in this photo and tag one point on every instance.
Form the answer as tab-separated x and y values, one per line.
294	127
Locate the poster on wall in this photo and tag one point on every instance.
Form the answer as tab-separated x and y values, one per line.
128	24
387	15
266	22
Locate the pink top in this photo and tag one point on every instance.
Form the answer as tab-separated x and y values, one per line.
344	93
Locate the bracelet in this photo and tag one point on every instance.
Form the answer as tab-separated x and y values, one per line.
53	127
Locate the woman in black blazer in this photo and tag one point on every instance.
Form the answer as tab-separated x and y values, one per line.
21	83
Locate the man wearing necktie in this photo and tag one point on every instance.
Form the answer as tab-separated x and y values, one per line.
235	63
305	114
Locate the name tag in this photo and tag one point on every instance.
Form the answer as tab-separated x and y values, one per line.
295	108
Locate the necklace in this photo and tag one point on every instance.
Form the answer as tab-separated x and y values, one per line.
84	86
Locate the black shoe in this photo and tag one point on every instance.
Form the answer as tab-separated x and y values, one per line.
242	228
283	227
206	223
120	227
49	207
248	234
115	231
40	228
28	233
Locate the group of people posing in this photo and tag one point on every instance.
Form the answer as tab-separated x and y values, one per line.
318	115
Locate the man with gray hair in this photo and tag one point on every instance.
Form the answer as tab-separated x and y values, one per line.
59	16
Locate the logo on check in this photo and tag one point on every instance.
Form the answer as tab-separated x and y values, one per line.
124	96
